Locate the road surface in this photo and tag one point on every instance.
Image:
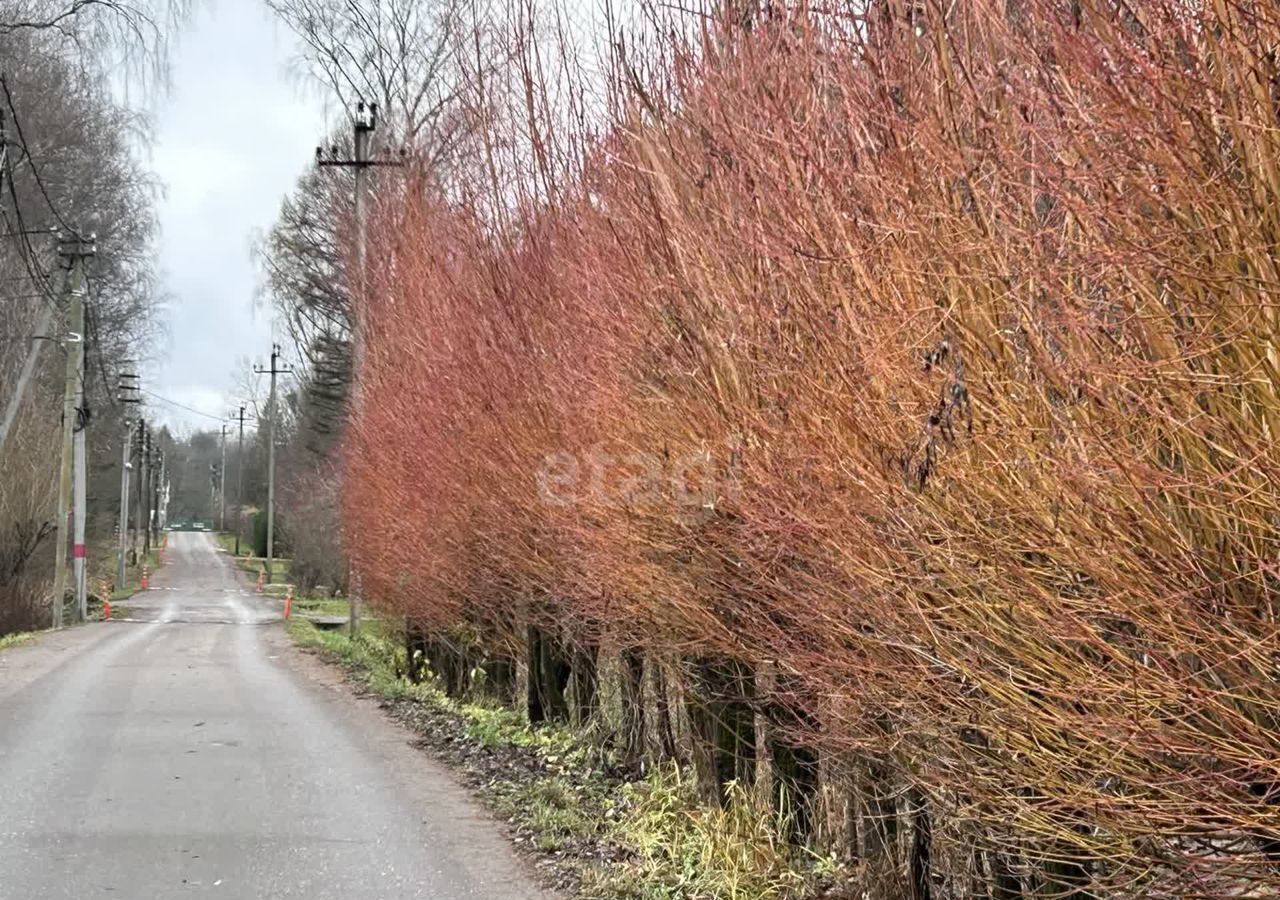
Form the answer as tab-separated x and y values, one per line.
194	753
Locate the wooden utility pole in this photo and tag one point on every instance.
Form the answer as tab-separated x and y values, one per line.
79	490
136	534
142	517
272	415
157	484
122	539
162	496
366	121
126	392
222	484
74	251
239	475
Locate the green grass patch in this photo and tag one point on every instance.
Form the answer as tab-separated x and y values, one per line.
322	606
247	561
256	564
680	848
372	657
132	574
14	640
103	563
552	810
227	541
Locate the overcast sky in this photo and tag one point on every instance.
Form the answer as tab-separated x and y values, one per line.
231	137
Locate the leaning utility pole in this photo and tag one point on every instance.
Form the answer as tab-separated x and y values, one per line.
365	122
272	415
74	251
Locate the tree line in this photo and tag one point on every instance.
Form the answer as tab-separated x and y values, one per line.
70	167
868	404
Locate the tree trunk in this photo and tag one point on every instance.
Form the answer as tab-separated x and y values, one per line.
882	810
449	663
1268	839
1067	877
921	848
795	764
549	672
852	825
415	651
1005	883
500	678
586	682
533	656
633	724
795	769
1067	871
662	707
722	715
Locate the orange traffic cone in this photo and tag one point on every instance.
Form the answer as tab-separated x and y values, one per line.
288	602
262	576
106	599
146	580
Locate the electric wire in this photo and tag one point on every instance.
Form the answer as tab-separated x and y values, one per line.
26	152
189	409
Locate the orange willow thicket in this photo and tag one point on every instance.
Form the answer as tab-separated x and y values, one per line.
963	326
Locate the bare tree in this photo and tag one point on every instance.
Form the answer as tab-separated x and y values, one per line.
120	36
68	165
405	56
306	277
400	54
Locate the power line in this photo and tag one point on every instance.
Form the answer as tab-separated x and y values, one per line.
29	232
156	396
97	351
26	152
30	258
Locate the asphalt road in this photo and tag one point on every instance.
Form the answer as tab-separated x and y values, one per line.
195	753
